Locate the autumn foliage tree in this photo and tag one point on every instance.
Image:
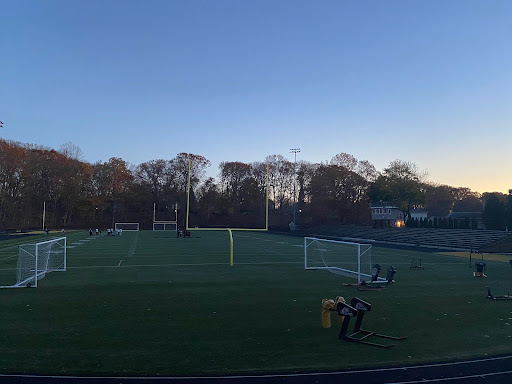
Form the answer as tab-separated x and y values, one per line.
80	194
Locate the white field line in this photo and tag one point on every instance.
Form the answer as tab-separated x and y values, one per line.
8	257
133	245
15	247
178	265
284	375
167	255
441	379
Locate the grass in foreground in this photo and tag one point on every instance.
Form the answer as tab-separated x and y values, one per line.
151	304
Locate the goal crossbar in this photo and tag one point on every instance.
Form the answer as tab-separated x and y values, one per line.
127	226
165	226
342	257
35	260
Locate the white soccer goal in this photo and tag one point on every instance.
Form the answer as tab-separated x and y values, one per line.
341	257
165	226
36	260
127	226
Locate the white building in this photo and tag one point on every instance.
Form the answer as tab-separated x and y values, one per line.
418	214
386	215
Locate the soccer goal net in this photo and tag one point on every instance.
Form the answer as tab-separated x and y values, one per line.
165	226
341	257
127	226
36	260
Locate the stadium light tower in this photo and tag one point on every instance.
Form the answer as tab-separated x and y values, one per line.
294	151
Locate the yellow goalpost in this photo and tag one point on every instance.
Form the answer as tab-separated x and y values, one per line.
226	229
165	221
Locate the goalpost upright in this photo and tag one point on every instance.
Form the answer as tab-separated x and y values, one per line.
340	257
35	260
226	229
161	225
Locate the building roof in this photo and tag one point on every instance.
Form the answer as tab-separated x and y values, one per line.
383	204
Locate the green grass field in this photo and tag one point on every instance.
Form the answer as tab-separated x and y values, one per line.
148	303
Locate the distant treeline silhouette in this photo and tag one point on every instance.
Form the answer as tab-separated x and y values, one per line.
79	194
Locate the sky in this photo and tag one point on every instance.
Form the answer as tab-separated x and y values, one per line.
426	81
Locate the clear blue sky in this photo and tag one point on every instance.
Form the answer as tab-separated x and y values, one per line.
429	81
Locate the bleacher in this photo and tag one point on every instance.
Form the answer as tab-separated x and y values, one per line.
450	239
503	245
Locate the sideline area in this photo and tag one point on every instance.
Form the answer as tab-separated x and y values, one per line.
478	256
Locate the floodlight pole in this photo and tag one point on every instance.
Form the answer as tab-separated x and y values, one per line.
294	151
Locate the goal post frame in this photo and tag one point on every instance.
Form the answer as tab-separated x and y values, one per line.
224	229
133	230
37	271
187	228
359	273
165	223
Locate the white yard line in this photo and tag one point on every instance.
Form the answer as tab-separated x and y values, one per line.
180	265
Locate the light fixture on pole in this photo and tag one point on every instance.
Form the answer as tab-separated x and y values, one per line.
294	151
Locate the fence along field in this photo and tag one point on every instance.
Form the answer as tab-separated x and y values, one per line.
148	303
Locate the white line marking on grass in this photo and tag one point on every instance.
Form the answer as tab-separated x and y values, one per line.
8	257
180	265
133	244
340	373
298	245
281	242
116	255
120	261
439	380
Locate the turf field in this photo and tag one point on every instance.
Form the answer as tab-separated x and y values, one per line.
148	303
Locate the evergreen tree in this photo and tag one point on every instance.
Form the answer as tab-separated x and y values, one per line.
494	213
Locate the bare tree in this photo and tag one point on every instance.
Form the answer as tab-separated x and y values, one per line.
72	151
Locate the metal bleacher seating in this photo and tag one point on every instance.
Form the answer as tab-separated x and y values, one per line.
453	239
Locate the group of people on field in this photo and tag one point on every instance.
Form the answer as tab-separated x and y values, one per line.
110	232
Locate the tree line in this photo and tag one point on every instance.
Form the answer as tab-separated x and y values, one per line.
80	194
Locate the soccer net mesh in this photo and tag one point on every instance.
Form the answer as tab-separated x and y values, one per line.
340	257
127	226
165	226
36	260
